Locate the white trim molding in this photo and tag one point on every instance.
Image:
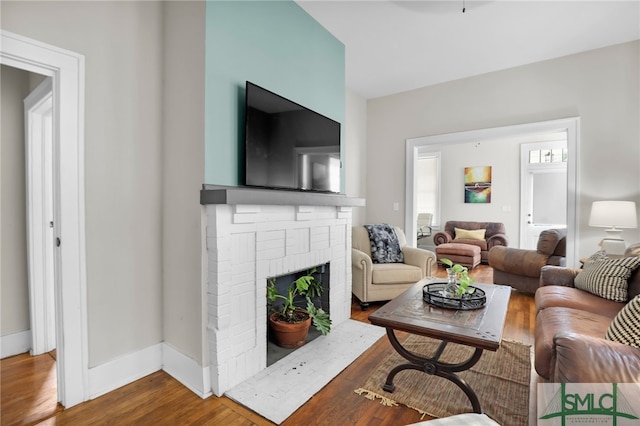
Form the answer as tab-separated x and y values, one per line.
66	69
15	344
114	374
187	371
121	371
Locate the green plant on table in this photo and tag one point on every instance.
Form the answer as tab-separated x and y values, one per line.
308	288
462	277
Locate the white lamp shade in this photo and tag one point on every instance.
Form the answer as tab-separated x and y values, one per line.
615	214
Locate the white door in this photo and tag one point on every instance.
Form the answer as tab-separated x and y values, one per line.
38	110
67	71
543	187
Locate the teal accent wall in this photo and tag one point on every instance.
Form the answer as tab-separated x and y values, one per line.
276	45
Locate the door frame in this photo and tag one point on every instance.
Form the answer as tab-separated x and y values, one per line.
38	113
66	69
529	232
571	125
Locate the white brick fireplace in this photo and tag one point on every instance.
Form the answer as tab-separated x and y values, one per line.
256	234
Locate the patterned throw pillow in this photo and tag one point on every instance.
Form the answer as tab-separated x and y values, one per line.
625	327
607	278
385	247
597	256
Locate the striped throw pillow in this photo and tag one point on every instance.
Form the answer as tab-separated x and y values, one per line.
607	278
625	327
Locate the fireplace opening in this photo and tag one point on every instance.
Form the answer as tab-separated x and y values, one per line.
282	283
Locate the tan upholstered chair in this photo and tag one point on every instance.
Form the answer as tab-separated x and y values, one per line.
383	281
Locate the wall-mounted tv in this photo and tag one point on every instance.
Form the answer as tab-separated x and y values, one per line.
288	146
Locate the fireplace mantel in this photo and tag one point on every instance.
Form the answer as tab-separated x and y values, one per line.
253	234
214	194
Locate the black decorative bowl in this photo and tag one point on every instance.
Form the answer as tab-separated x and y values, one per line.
433	294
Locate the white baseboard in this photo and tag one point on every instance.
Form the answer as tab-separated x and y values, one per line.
122	371
186	371
14	344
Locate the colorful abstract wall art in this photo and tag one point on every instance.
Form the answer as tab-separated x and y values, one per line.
477	184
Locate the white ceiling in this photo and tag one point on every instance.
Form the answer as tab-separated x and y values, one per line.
395	46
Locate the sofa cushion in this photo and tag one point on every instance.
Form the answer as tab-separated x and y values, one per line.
554	320
586	359
625	327
385	246
395	273
607	278
482	244
555	296
470	234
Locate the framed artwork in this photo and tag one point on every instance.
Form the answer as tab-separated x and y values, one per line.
477	185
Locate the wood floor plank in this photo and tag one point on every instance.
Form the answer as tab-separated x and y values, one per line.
28	389
29	397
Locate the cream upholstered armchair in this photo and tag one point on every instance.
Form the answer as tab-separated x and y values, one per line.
374	282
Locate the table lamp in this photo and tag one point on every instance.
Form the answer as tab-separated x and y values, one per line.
613	215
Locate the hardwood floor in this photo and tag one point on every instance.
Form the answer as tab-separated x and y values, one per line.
28	390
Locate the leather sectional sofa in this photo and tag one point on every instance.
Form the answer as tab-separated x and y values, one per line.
571	325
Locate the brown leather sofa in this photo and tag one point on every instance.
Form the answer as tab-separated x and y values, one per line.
495	235
571	325
520	268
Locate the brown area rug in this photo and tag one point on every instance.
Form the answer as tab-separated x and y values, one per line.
500	379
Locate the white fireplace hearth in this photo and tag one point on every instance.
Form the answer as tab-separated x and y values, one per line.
255	234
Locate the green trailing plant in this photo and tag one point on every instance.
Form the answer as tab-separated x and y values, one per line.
307	287
462	277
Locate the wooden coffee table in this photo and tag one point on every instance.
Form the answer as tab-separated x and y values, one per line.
479	328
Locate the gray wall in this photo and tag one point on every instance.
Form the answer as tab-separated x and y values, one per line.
356	152
122	44
14	303
144	163
600	86
184	294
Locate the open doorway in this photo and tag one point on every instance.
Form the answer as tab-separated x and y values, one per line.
66	70
28	210
28	322
41	261
479	138
543	187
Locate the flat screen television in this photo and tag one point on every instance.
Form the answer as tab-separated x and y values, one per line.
288	146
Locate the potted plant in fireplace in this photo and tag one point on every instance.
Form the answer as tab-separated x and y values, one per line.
290	323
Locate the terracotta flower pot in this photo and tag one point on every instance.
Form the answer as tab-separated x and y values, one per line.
289	335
